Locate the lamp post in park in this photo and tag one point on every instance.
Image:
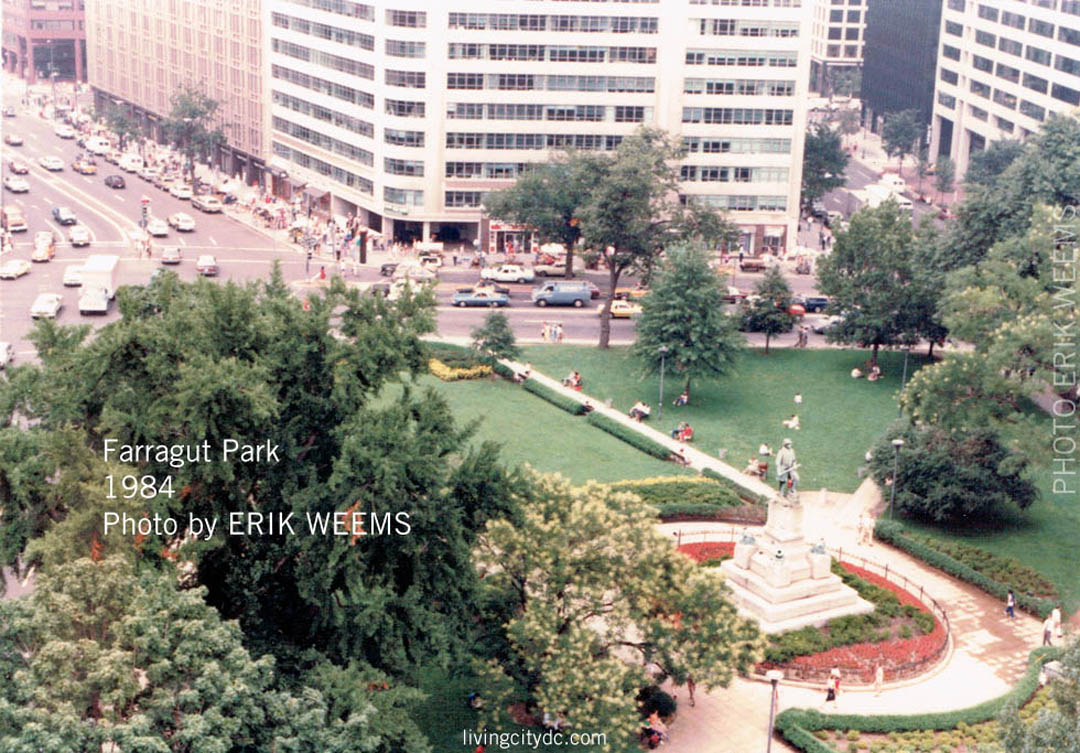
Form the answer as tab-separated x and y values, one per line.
897	444
663	358
774	676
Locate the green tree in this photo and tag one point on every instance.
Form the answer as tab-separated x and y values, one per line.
120	121
770	312
596	605
944	476
944	176
847	121
1056	727
987	164
870	277
922	166
899	134
633	212
547	198
824	163
845	81
193	127
684	312
494	339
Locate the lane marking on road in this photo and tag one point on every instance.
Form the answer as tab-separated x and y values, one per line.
118	197
213	241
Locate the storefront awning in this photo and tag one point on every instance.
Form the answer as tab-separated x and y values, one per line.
295	184
277	172
315	193
776	231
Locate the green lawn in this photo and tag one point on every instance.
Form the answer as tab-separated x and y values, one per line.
840	417
534	431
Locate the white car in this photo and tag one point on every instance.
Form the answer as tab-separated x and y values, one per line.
54	164
180	191
15	184
208	204
157	228
46	305
182	222
7	354
130	163
64	131
508	273
148	173
414	271
73	276
14	269
79	235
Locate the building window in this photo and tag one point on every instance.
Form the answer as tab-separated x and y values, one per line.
851	33
854	16
953	53
985	38
1032	110
404	109
949	77
1005	99
1011	47
1034	82
465	111
1070	36
1067	65
1008	73
956	5
1043	29
1037	55
946	100
407	18
340	7
832	51
626	114
408	79
835	32
1014	20
978	112
403	196
412	168
1071	6
951	27
464	80
401	49
836	16
344	93
979	88
990	14
1065	94
463	198
982	64
851	51
403	138
1005	125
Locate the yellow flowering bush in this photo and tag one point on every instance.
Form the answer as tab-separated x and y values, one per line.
452	374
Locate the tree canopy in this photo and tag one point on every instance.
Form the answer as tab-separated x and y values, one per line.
494	339
769	313
824	163
193	126
900	133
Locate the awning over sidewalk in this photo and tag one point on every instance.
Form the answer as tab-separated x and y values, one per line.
775	231
315	193
295	184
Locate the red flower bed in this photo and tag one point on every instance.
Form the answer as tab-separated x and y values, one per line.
707	550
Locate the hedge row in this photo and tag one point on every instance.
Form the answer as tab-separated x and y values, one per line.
449	373
454	356
892	532
798	725
687	494
627	434
503	370
1002	569
553	396
744	492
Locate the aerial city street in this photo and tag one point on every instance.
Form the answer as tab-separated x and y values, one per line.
540	375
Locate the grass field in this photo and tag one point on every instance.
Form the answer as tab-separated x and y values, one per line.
533	431
840	417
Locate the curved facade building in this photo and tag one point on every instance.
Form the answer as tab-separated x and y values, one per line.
408	112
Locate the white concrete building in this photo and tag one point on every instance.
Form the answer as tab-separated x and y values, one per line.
1003	68
836	38
407	112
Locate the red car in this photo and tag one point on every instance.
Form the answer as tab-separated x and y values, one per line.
18	168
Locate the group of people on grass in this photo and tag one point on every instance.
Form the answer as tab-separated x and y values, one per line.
872	375
573	380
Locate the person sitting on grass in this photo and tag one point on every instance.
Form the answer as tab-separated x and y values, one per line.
573	381
751	468
792	423
640	411
856	373
875	373
680	457
686	434
678	430
682	399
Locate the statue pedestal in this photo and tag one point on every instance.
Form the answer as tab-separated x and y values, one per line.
781	582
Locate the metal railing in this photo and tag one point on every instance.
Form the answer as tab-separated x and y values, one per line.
851	675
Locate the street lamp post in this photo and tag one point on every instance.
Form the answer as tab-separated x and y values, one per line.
897	444
663	358
774	676
53	74
903	382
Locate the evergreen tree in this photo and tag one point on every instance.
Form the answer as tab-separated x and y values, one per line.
494	339
770	312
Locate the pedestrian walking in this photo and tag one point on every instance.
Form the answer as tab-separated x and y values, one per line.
879	679
322	273
544	332
1010	605
832	690
690	687
1055	617
1048	631
307	263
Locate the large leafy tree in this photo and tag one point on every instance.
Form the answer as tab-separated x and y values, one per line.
494	339
900	134
987	164
871	278
547	197
770	312
596	604
944	176
193	127
1056	727
684	313
120	121
824	162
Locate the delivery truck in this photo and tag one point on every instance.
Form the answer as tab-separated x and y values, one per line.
98	283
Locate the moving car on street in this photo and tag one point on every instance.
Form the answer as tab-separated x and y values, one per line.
156	227
13	139
182	221
480	298
79	235
94	301
46	306
386	269
51	163
413	271
508	273
208	204
64	131
44	246
621	309
64	215
73	276
115	181
84	167
15	184
19	168
207	266
489	285
180	191
171	255
14	269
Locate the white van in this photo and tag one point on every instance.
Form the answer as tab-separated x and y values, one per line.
894	182
98	145
129	163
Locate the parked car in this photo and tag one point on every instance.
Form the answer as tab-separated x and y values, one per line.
621	309
51	163
824	325
171	255
206	265
208	204
182	222
637	292
385	270
18	168
555	267
164	180
812	303
15	184
129	163
47	306
180	191
489	285
79	235
64	215
64	131
14	269
113	157
734	295
73	275
752	264
148	173
480	298
561	294
115	181
9	112
508	273
13	139
156	227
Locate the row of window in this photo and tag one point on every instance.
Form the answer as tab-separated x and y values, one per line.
1041	85
404	108
334	62
464	198
1034	25
410	19
592	113
412	168
529	22
737	115
739	86
323	141
457	140
538	82
733	27
340	7
407	79
321	85
753	3
344	177
742	58
407	197
737	203
486	170
403	49
552	53
319	112
724	174
323	31
403	138
851	33
706	145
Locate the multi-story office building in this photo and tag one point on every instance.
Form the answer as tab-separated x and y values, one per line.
142	53
836	39
899	59
1003	69
408	112
44	37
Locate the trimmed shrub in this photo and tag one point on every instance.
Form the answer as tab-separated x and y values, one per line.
454	356
503	370
683	493
1002	569
627	434
744	492
556	398
892	532
457	373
